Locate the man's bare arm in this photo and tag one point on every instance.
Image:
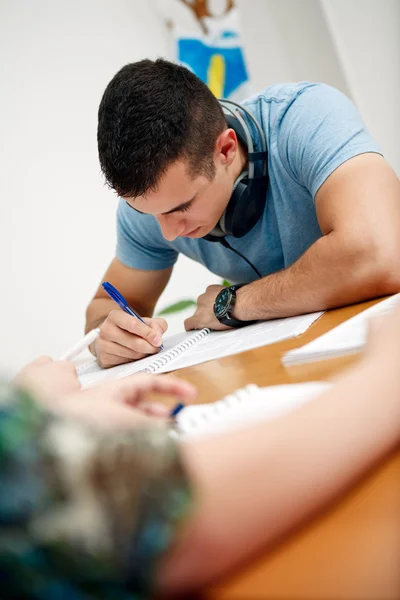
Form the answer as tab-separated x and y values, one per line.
358	209
122	337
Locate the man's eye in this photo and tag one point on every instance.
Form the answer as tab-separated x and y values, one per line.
186	208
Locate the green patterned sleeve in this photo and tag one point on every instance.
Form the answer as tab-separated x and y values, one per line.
83	514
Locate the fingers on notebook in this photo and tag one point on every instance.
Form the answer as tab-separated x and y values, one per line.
151	330
119	320
117	344
110	354
158	324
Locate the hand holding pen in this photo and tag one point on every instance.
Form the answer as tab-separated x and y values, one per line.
140	325
124	336
122	303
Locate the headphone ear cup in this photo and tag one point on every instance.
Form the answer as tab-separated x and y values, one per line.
245	207
235	214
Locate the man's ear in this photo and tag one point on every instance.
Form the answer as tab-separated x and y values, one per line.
226	147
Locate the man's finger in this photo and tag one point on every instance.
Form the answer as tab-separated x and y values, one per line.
132	343
118	350
110	354
157	323
134	326
191	323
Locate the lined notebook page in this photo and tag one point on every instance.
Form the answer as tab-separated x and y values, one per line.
216	344
347	338
245	406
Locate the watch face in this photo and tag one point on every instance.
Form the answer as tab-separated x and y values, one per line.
222	302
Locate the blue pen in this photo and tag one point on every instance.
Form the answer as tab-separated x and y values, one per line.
122	303
176	410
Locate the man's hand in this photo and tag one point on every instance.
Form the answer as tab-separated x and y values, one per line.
204	315
124	338
48	380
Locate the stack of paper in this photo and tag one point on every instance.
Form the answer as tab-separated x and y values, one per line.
347	338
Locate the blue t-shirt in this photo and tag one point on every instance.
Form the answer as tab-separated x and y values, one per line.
310	129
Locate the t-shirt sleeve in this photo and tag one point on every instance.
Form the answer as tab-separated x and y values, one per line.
320	129
140	244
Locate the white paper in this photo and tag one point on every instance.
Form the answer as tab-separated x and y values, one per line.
347	338
245	406
215	345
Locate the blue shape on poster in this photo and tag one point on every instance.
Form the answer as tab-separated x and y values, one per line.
196	55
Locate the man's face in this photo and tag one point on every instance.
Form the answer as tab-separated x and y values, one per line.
191	207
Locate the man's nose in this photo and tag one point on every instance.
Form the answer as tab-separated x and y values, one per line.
171	226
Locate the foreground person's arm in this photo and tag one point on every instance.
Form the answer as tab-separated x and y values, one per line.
254	486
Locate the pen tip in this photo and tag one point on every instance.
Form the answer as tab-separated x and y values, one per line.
176	410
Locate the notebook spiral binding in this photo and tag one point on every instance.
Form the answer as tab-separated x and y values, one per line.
167	357
157	363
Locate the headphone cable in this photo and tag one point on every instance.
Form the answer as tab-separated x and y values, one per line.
227	245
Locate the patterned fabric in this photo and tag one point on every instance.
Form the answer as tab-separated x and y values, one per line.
83	514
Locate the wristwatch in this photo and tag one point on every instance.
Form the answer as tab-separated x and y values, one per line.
225	303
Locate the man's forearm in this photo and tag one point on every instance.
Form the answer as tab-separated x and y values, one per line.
97	312
330	273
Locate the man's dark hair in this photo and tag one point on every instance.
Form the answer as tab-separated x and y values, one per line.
153	113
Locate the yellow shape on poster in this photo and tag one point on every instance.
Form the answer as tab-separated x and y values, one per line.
216	75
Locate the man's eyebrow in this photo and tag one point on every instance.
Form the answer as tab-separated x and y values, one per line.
176	209
180	207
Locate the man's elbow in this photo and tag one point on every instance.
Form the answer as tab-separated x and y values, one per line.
388	279
380	268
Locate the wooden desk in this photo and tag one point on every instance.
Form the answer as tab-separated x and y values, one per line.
352	552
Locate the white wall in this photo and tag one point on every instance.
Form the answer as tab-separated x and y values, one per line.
289	40
366	34
353	45
57	229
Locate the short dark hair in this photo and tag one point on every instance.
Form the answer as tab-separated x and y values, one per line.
153	113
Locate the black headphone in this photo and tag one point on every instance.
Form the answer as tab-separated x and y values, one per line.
247	202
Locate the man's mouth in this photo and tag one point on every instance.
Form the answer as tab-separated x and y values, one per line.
191	233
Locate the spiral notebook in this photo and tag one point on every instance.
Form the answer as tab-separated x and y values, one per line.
245	406
190	348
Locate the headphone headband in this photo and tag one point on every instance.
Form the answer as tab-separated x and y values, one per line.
252	155
248	198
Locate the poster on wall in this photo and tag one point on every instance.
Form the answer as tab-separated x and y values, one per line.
208	42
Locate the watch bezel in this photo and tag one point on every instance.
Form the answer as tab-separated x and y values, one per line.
228	302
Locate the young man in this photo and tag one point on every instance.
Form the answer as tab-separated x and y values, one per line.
328	234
